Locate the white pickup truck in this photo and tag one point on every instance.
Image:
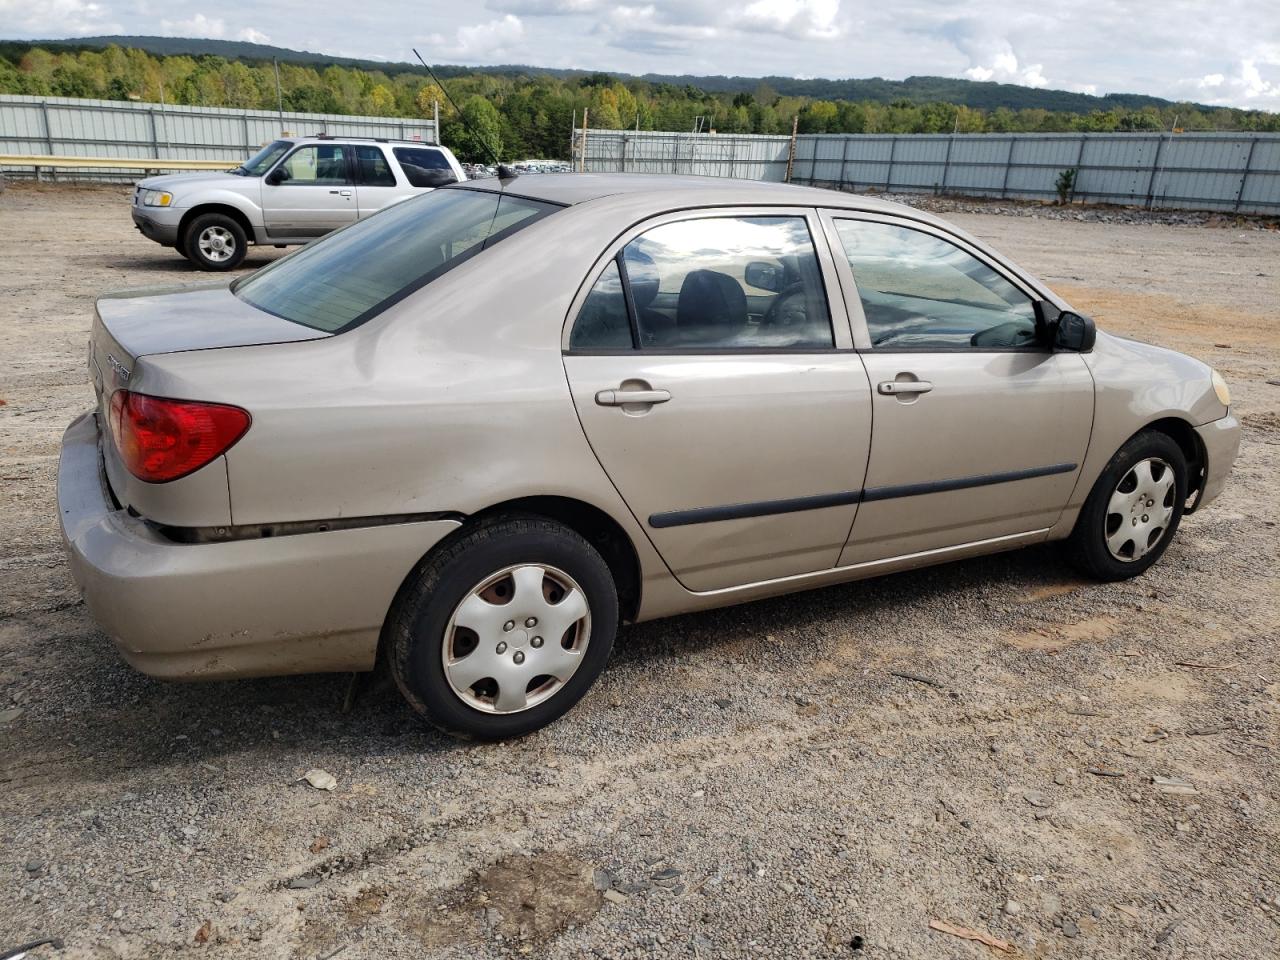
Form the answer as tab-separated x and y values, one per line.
290	192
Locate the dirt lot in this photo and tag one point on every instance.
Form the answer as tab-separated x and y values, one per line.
756	781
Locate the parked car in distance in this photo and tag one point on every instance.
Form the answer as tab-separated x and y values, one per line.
483	428
292	191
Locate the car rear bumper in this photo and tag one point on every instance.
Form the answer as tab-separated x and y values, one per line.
308	603
162	227
1221	439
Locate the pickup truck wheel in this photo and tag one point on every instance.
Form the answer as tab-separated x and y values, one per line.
503	629
215	242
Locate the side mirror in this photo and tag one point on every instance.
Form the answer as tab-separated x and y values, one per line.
763	276
1074	332
277	176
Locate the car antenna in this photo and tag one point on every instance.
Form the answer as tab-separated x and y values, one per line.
505	173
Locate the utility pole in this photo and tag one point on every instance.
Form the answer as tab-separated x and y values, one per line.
582	159
275	64
791	150
573	134
435	119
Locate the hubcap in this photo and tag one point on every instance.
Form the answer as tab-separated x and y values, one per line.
217	243
492	659
1140	510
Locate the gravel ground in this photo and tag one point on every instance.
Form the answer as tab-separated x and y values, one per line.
760	781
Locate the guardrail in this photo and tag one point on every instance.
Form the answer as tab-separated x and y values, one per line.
149	165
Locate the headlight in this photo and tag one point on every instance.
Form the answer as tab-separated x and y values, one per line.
157	198
1221	389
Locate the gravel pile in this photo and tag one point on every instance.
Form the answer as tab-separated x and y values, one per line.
1083	213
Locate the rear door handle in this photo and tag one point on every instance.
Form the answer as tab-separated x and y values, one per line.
617	398
341	193
893	387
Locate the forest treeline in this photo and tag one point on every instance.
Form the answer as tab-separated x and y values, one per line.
528	113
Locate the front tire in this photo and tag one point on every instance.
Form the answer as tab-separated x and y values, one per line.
504	629
1133	510
214	241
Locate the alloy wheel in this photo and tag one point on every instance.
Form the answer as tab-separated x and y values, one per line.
217	244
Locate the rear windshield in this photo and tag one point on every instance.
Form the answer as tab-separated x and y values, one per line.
354	274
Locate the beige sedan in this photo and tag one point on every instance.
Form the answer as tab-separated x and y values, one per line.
477	431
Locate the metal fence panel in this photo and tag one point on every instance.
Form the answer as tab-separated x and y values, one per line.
1215	171
63	126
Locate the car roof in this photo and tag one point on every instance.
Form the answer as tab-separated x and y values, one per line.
574	188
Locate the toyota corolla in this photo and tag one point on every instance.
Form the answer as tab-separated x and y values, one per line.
478	431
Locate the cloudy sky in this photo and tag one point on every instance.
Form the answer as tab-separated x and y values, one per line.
1225	52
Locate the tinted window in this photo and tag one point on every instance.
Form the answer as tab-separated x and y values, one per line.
319	165
921	292
372	164
350	276
424	167
728	283
602	323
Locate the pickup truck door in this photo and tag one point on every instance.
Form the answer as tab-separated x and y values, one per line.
315	196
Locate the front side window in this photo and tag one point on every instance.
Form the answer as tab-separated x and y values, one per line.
354	274
727	283
318	165
920	292
371	163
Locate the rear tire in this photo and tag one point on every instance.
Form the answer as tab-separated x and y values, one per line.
1133	510
465	639
214	241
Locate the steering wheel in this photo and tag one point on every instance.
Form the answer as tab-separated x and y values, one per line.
788	308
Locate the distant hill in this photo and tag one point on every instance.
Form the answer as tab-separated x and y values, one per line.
970	93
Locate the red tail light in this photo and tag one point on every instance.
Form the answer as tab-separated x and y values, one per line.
161	440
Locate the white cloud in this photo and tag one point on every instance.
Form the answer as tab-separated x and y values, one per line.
480	41
809	19
56	18
1254	84
197	26
991	55
253	36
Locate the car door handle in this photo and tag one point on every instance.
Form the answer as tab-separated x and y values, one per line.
617	398
892	387
341	193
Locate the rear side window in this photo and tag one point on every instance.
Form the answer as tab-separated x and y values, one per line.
424	167
352	275
731	284
371	163
603	323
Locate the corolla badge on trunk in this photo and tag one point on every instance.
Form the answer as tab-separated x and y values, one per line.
121	370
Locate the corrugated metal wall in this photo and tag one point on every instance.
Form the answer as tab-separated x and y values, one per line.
1200	171
61	126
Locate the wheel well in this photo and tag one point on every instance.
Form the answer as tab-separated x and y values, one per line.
1185	436
222	208
597	528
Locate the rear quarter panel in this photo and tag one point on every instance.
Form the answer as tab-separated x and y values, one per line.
455	399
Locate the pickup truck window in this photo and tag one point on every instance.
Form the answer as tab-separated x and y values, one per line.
354	274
